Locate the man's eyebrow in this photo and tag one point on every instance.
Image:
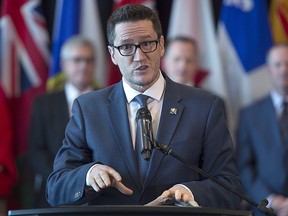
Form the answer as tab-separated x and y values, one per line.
130	41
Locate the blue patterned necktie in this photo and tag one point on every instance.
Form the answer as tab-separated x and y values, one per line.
142	100
142	164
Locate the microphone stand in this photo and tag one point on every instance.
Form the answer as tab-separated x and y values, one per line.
168	151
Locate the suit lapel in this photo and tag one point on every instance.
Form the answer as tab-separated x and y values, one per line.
170	116
271	121
117	110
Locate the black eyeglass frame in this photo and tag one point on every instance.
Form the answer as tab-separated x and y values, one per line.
136	46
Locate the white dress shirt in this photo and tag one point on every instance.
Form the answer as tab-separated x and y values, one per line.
278	100
154	103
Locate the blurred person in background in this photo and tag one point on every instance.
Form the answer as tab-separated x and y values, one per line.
262	138
180	61
51	111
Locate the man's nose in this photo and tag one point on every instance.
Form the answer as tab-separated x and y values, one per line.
139	54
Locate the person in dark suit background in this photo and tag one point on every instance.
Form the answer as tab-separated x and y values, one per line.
51	111
181	62
97	163
261	151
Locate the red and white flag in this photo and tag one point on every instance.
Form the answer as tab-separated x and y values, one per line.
24	60
8	174
193	18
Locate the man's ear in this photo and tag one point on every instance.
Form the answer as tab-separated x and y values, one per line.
161	45
112	53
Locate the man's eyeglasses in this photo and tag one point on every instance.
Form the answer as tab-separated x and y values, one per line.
78	60
130	49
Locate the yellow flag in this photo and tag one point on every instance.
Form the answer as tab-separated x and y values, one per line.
279	20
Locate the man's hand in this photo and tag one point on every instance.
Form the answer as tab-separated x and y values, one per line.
102	176
279	204
178	194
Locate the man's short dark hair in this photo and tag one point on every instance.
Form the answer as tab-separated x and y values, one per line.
132	12
183	39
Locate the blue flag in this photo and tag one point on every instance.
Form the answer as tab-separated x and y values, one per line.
244	38
66	24
248	28
74	17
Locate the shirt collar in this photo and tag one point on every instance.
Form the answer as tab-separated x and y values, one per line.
277	99
155	91
72	93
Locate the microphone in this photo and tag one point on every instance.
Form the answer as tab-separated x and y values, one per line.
143	118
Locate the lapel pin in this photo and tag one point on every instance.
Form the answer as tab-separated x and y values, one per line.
173	111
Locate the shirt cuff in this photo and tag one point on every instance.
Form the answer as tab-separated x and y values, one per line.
88	175
269	198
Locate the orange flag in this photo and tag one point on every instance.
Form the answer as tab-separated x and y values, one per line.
279	20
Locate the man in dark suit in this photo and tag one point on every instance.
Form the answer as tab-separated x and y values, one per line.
181	62
97	163
51	112
262	153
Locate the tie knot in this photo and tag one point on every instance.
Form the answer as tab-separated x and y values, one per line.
142	100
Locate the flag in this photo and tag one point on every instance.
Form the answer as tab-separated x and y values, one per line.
147	3
193	18
279	20
24	59
244	39
82	18
114	73
8	174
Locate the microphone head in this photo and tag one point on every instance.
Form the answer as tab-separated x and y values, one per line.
144	122
143	113
146	154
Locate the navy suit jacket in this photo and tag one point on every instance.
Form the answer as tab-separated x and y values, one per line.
98	132
262	157
50	116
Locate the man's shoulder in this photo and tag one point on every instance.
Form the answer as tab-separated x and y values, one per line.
98	94
261	102
198	93
186	89
192	97
256	106
49	96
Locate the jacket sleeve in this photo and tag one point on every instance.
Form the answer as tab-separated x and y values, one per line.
66	184
252	181
218	160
